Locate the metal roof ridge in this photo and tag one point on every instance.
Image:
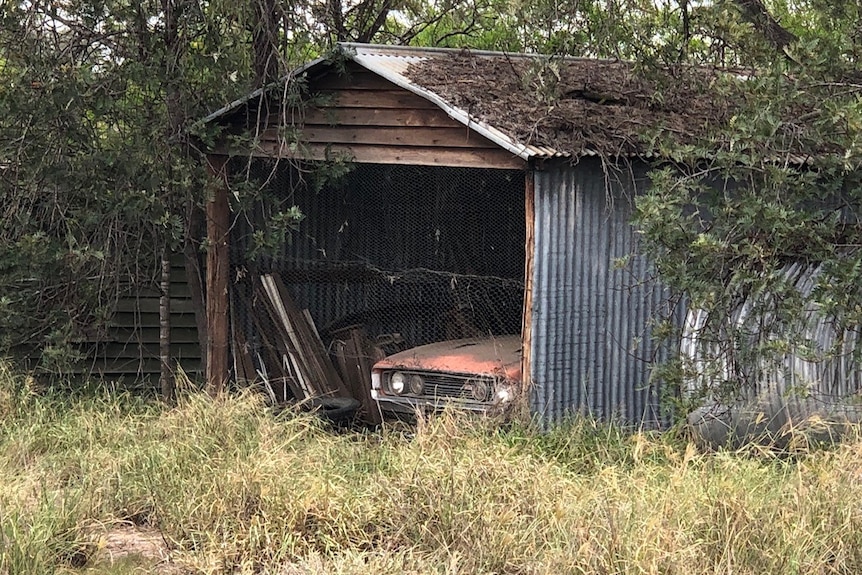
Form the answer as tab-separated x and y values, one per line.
440	51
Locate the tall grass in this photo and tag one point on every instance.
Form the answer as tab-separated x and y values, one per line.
234	489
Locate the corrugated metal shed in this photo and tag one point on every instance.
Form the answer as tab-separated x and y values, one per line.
587	332
590	346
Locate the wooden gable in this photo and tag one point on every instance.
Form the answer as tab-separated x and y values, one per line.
365	118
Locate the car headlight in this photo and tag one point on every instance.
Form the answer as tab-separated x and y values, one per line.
503	395
397	383
480	389
417	384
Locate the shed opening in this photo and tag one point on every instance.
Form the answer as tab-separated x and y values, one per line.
409	254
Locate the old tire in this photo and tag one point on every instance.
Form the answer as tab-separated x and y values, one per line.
334	409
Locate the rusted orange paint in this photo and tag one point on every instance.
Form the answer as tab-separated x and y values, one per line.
494	356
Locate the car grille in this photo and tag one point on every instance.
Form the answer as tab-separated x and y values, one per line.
446	385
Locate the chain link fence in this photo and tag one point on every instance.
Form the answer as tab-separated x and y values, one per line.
409	254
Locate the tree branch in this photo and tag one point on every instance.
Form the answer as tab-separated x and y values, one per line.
755	12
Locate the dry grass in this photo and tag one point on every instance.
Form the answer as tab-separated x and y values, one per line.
233	489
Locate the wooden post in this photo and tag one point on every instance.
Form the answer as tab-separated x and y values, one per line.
529	255
217	275
166	377
194	274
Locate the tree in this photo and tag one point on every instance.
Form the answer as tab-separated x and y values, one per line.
91	205
777	182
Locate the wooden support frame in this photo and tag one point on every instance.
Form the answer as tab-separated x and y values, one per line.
217	276
529	259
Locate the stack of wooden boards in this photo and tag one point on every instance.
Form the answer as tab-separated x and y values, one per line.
293	360
355	355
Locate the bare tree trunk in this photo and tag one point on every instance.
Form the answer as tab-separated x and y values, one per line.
166	376
265	42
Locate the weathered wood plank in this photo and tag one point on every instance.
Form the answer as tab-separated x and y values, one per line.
178	291
355	79
285	341
356	354
371	117
420	156
529	267
151	305
133	367
308	354
146	350
151	319
396	99
177	260
149	335
404	136
279	378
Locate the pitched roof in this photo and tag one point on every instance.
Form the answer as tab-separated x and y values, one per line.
538	106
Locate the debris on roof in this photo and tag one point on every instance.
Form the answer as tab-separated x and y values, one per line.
574	105
539	106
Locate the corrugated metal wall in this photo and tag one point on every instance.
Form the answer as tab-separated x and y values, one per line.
817	374
591	345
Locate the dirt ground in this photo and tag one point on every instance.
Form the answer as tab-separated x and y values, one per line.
144	547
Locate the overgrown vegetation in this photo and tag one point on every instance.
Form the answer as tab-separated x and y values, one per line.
234	489
758	223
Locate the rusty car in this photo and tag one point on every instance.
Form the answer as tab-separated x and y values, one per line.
477	374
